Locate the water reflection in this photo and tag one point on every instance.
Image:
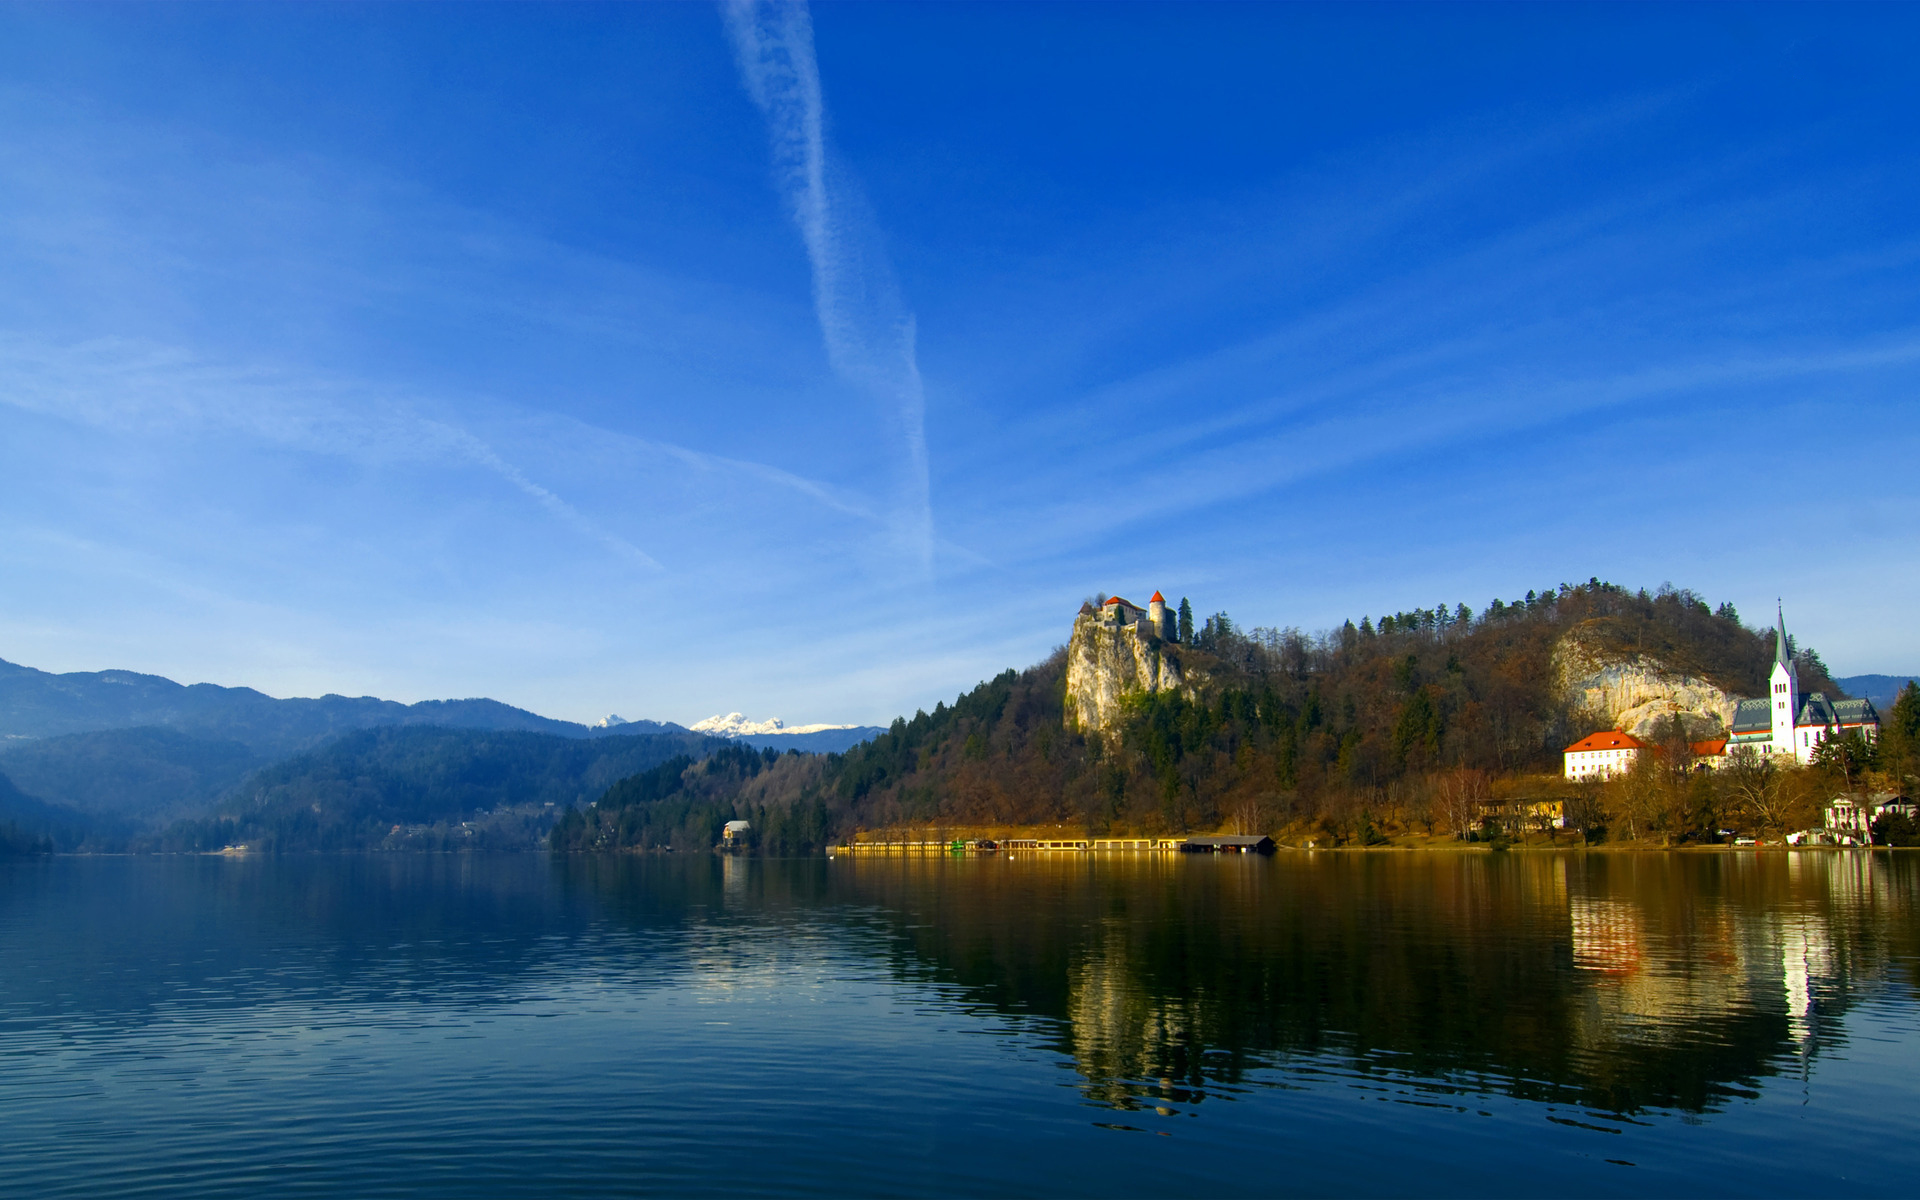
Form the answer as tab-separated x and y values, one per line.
1612	982
1609	983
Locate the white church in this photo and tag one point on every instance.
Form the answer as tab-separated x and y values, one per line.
1789	721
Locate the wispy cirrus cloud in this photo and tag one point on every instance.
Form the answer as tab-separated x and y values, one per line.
867	328
126	387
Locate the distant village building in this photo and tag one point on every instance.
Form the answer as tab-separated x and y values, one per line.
1709	755
733	832
1603	755
1789	722
1523	814
1849	819
1229	844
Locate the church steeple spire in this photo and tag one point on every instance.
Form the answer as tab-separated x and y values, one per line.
1780	654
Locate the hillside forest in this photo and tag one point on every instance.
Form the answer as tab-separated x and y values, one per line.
1414	723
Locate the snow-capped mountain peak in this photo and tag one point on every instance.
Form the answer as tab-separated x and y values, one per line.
609	721
736	725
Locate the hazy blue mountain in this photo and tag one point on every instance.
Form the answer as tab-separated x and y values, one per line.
38	704
137	775
1881	689
29	817
426	788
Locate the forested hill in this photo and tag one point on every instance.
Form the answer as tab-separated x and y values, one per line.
31	826
126	751
425	788
1288	727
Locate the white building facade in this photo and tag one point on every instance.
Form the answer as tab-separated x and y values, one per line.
1603	755
1791	723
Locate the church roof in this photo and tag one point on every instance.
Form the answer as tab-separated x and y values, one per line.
1780	654
1753	716
1817	710
1607	739
1856	712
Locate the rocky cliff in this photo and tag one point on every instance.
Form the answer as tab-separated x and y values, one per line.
1634	692
1107	661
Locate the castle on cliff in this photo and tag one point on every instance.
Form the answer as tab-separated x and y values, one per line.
1154	620
1119	650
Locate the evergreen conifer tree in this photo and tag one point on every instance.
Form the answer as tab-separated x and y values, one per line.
1900	738
1186	622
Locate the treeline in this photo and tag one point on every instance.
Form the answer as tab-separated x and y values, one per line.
16	842
1359	729
29	825
423	788
684	803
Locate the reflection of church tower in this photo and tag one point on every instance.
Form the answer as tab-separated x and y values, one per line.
1786	690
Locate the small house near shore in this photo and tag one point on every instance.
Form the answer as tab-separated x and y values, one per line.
1228	844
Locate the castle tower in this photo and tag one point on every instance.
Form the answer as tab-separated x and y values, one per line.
1158	618
1786	692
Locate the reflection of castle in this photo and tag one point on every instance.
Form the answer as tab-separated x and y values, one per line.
1122	1037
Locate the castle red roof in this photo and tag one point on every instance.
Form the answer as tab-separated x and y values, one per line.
1157	599
1118	600
1608	739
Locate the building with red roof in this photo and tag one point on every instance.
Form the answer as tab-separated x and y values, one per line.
1603	755
1154	620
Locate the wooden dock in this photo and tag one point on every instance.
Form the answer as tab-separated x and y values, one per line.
966	847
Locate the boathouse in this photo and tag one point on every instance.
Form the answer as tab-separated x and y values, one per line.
1228	844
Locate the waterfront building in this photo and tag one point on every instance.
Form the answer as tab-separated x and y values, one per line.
1228	844
1603	755
1849	819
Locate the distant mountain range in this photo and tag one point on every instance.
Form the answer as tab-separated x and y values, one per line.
773	734
37	704
1881	689
105	754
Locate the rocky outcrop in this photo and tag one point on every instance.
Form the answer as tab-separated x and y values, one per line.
1108	661
1633	693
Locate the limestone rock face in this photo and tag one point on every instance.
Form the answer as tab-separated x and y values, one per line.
1634	693
1106	661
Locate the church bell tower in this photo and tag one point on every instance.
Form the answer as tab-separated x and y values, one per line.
1786	691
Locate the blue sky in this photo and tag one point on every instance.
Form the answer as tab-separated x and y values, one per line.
675	359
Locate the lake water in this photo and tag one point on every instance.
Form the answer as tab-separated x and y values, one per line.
1599	1024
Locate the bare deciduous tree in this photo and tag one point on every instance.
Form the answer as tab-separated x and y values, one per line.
1753	784
1458	795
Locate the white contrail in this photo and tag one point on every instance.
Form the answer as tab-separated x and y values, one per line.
868	331
131	387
